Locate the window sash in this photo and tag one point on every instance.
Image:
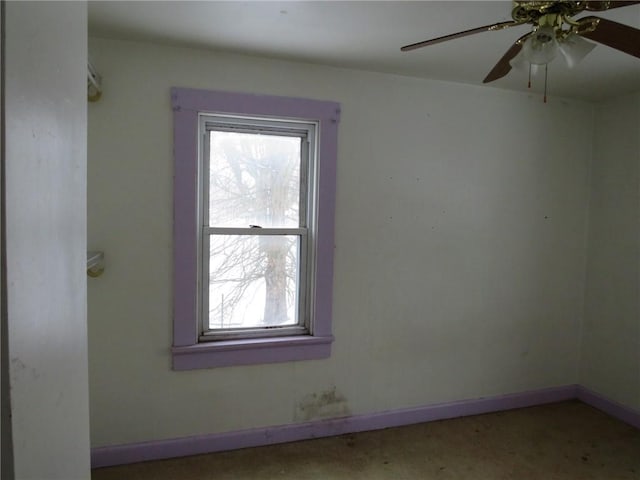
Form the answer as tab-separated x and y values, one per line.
306	132
304	325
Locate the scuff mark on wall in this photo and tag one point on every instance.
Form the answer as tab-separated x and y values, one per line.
327	404
18	366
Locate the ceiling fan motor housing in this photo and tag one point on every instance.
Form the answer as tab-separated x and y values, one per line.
531	12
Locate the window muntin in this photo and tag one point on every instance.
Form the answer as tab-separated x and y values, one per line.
258	223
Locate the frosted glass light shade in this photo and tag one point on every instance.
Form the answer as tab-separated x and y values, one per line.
519	61
574	48
541	47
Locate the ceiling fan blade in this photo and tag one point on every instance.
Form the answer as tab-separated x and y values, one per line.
503	66
433	41
600	6
613	34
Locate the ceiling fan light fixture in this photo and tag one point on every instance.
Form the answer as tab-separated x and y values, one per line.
555	27
541	47
574	48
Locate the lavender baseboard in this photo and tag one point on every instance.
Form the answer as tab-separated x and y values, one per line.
178	447
610	407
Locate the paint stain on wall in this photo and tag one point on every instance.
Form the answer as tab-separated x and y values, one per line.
327	404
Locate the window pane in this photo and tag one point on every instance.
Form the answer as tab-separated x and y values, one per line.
253	281
254	180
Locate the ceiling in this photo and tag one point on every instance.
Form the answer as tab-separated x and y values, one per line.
368	36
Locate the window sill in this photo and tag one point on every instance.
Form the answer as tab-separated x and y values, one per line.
251	351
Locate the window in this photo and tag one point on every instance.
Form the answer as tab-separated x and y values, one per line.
254	195
257	226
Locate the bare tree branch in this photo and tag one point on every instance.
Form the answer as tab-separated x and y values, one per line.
257	178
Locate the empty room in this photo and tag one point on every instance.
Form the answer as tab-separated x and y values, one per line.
323	240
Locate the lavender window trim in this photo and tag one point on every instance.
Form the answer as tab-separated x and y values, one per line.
187	352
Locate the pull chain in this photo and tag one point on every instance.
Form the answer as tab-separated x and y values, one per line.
546	76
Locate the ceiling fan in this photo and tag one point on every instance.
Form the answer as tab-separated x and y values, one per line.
553	30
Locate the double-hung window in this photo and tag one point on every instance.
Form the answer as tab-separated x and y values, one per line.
254	194
258	226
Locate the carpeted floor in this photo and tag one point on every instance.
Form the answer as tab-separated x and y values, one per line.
568	440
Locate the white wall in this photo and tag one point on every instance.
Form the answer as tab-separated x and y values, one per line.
46	51
459	260
6	442
611	335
